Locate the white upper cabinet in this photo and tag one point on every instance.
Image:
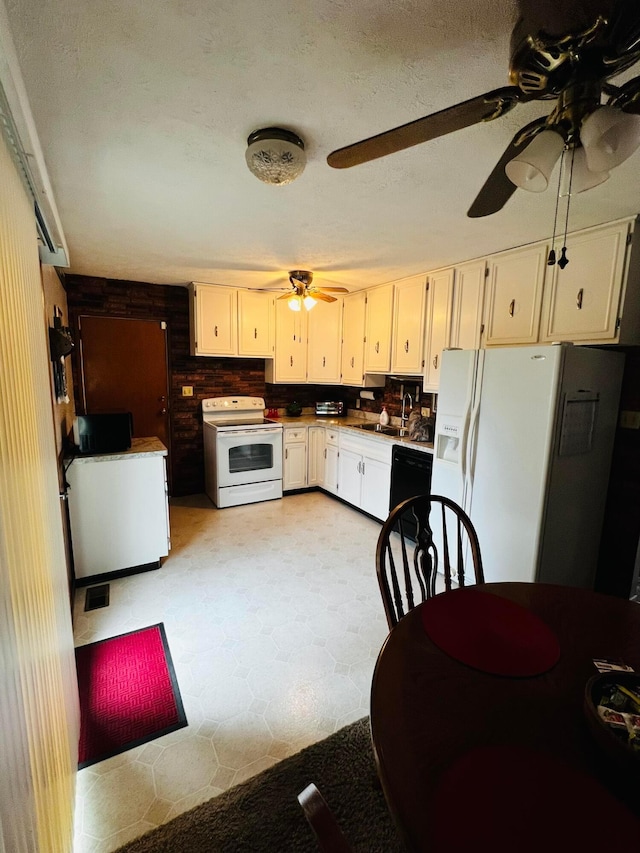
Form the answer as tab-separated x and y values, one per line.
290	362
438	325
582	300
514	296
214	320
377	350
408	325
256	323
353	319
468	302
324	342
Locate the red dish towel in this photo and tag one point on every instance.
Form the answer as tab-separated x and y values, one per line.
508	799
490	633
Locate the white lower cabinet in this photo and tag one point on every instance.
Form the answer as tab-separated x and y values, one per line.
118	512
316	456
294	462
364	474
331	460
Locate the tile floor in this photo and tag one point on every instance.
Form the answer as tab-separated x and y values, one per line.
274	621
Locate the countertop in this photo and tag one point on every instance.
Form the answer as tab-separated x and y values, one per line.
151	446
351	423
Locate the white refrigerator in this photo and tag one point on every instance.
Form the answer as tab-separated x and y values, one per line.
523	442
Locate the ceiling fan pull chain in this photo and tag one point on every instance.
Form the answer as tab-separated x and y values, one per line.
552	254
564	260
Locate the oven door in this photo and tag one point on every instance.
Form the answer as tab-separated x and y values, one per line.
248	456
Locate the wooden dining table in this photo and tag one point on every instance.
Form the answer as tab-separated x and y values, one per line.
428	710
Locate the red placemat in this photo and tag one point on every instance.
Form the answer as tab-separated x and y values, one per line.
490	633
506	798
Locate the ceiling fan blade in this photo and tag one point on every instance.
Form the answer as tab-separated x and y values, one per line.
498	189
317	294
627	97
286	296
482	108
333	289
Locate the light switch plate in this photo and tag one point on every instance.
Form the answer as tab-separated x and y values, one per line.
187	390
630	420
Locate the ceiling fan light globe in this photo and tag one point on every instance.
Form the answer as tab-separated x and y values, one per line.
295	303
309	302
582	177
609	136
532	168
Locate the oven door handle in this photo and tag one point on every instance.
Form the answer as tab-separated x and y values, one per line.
234	432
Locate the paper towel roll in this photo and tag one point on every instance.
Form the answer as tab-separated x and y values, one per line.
367	395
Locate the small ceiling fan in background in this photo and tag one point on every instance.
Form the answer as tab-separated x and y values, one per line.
304	293
560	49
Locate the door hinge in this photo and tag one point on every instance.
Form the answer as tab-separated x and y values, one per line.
427	284
486	272
618	322
482	329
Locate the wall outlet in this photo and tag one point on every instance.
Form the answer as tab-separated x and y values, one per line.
187	390
630	420
425	411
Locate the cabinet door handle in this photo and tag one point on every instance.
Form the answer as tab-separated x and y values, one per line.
377	346
215	331
512	307
323	361
163	411
363	469
359	467
435	361
325	453
579	298
352	360
291	360
255	332
406	345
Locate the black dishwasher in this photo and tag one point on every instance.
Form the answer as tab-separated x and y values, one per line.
410	475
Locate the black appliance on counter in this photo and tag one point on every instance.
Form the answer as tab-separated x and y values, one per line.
105	433
410	476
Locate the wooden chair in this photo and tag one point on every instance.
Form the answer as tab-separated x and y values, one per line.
322	821
423	535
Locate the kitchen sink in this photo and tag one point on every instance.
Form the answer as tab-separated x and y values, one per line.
399	432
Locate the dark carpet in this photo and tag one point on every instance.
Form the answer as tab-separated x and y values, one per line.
263	815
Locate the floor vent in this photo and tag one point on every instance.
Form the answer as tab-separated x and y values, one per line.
97	596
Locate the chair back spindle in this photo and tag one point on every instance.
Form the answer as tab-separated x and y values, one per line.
407	565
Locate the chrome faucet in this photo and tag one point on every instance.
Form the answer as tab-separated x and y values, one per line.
404	417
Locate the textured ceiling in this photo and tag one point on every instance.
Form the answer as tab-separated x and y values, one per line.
143	111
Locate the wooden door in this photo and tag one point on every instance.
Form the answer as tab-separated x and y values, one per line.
123	366
324	342
377	353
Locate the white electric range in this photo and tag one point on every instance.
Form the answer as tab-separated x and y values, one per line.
242	451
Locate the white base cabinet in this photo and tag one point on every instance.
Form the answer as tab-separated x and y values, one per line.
364	474
294	458
118	511
331	443
316	454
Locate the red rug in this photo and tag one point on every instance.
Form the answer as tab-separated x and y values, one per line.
128	693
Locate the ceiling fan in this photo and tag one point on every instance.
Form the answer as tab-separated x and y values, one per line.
305	293
560	49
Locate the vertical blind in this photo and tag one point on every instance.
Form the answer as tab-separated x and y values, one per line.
38	692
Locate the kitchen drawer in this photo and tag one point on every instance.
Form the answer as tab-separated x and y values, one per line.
294	434
372	448
332	436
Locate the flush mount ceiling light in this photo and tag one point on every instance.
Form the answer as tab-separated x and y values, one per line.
275	156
